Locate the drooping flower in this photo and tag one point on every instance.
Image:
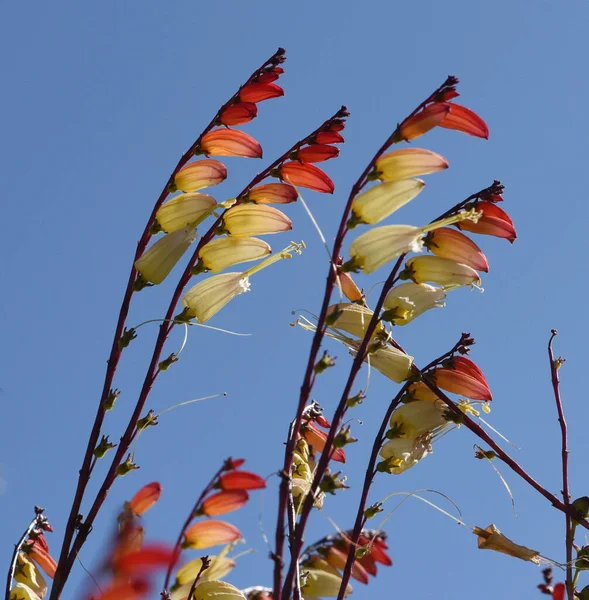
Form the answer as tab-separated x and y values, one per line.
492	539
407	163
420	391
494	221
442	271
185	210
225	252
337	558
230	142
255	219
239	113
28	574
241	480
224	502
157	262
352	318
200	174
407	301
205	534
449	243
21	591
307	176
219	567
316	153
273	193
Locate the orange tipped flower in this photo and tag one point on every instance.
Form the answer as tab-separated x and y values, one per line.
463	119
317	438
145	498
307	176
449	243
43	559
255	219
443	271
125	590
224	502
336	558
273	193
241	480
329	137
457	382
467	366
258	92
317	153
349	288
230	142
423	121
238	114
494	221
409	162
205	534
200	174
148	558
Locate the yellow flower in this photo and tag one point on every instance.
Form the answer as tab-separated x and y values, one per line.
407	301
156	264
389	361
200	174
20	591
323	584
185	210
384	199
409	162
352	318
28	573
228	251
416	418
217	590
443	271
255	219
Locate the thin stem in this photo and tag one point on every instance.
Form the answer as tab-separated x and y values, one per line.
308	379
191	515
569	535
65	557
206	563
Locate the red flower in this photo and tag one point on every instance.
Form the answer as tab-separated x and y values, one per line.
559	592
316	153
224	502
270	76
145	498
317	438
148	558
463	119
234	463
238	114
307	176
258	92
241	480
464	380
431	116
329	137
494	221
125	590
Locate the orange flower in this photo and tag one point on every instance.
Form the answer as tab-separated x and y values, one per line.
148	558
307	176
258	92
210	533
316	153
449	243
273	193
238	114
336	558
230	142
330	137
463	119
200	174
466	366
125	590
494	221
423	121
458	382
145	498
377	549
241	480
351	291
224	502
270	76
43	559
234	463
317	438
369	564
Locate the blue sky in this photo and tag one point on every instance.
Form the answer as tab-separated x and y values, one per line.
99	103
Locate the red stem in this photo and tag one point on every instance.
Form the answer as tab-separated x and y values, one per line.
554	367
115	353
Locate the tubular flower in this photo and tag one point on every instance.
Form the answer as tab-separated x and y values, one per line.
349	288
416	418
329	137
255	219
209	296
205	534
238	114
337	558
317	153
320	584
28	574
273	193
200	174
465	120
467	366
217	590
423	121
389	361
241	480
230	142
307	176
352	318
408	162
377	547
494	221
43	559
400	454
383	200
224	502
155	264
258	92
185	210
407	301
458	382
449	243
145	498
443	271
317	438
492	539
228	251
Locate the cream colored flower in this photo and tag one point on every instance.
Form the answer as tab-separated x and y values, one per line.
407	301
321	584
443	271
409	162
401	454
185	210
255	219
228	251
416	418
352	318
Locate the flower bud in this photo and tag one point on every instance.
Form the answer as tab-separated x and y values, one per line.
307	176
383	200
407	163
328	137
258	92
352	318
228	251
209	296
255	219
420	391
200	174
492	539
205	534
273	193
494	221
241	480
463	384
336	558
423	121
184	210
316	153
145	498
465	120
449	243
238	114
407	301
224	502
155	264
322	584
230	142
443	271
350	290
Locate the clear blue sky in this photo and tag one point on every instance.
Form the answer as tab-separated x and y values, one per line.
99	101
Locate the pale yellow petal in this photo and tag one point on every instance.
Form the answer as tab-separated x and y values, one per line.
184	210
228	251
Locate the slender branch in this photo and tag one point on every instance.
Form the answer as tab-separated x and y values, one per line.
569	535
206	563
116	351
308	379
191	515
